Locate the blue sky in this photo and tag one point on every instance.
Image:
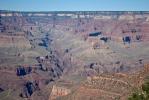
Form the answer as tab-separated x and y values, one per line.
75	5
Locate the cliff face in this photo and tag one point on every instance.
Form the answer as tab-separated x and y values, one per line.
80	14
58	91
12	41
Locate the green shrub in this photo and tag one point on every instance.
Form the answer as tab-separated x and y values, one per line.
142	94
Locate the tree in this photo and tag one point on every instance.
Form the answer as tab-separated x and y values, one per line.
142	94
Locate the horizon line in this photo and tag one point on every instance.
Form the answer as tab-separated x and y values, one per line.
75	11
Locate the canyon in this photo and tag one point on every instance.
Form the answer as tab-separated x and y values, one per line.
64	55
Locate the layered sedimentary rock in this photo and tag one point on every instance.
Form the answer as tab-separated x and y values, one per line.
58	91
79	55
16	40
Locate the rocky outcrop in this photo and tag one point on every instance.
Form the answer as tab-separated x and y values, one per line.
29	89
22	71
58	91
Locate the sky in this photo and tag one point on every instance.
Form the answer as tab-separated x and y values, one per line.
75	5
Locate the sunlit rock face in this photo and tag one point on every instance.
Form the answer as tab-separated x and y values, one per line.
58	91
